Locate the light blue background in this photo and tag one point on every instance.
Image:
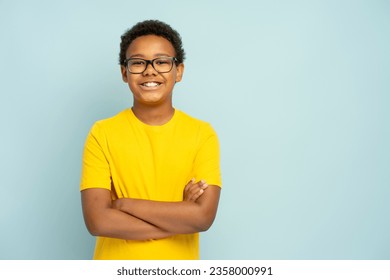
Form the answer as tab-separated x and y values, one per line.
298	92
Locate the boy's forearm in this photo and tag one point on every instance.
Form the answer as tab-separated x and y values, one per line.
116	224
102	220
175	217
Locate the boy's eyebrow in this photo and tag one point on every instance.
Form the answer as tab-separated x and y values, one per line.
156	55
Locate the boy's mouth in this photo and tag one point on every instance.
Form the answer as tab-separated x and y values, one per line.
151	84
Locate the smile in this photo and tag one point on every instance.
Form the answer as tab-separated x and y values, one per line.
151	84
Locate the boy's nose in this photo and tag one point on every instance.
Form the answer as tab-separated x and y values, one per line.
149	70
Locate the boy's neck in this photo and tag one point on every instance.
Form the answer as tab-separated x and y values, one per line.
153	115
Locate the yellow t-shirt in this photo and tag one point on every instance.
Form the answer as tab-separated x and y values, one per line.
136	160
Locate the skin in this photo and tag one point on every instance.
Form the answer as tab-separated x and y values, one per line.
138	219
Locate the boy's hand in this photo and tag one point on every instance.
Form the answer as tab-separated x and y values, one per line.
193	191
117	204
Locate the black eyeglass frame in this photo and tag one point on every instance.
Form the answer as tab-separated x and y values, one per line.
151	62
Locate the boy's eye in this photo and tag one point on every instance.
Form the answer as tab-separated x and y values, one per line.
136	62
162	61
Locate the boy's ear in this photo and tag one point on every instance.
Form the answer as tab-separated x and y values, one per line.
124	73
179	72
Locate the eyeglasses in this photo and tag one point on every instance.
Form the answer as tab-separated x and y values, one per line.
160	64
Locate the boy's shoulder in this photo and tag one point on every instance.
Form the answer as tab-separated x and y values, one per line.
194	124
190	119
110	124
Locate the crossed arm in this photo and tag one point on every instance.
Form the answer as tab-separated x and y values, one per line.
137	219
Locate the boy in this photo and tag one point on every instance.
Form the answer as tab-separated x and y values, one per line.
143	185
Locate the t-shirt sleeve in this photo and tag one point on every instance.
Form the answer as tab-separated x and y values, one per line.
207	160
95	172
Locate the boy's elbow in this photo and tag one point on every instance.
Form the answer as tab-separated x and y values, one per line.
204	227
206	222
95	225
93	228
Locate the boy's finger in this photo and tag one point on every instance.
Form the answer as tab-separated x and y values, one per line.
203	184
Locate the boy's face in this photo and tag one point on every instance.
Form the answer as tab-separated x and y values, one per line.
151	87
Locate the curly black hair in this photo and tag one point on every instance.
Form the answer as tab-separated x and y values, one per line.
151	27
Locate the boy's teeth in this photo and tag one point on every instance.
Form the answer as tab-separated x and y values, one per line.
151	84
